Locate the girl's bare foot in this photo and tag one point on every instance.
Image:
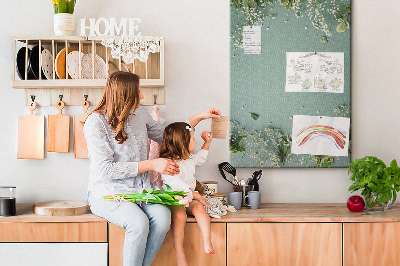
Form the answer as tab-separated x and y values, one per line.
209	249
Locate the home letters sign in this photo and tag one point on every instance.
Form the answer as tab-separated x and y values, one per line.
126	26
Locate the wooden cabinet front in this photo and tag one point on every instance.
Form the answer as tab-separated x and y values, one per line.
53	232
284	244
193	244
371	244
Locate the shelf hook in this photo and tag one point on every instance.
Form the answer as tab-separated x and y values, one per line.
155	98
60	97
33	98
85	97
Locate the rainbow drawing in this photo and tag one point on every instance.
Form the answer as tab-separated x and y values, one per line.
309	133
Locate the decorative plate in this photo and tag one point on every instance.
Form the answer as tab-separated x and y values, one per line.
34	61
99	67
73	64
60	62
47	64
20	67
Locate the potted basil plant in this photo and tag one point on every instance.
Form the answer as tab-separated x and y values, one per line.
377	182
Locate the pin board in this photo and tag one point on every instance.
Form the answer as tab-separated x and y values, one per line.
290	83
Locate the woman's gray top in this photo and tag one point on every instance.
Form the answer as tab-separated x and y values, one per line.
113	166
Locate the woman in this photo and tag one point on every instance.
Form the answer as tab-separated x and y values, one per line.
116	133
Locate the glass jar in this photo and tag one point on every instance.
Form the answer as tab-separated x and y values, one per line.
7	201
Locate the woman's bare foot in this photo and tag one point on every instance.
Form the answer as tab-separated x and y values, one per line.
209	249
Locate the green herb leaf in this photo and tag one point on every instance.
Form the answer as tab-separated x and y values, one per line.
62	7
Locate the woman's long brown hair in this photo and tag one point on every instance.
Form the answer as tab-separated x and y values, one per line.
120	95
175	144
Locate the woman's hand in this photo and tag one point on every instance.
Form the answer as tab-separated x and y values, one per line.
208	113
165	166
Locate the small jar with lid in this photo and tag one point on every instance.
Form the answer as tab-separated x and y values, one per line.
7	201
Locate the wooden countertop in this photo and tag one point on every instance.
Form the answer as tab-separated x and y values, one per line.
268	212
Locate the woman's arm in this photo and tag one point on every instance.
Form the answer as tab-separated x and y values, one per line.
208	113
101	155
198	197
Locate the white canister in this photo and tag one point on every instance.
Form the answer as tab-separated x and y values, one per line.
64	24
211	187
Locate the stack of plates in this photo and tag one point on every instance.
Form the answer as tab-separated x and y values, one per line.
33	63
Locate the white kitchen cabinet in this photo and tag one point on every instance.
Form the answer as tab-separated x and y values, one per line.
60	254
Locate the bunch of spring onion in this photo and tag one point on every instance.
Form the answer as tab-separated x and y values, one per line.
164	197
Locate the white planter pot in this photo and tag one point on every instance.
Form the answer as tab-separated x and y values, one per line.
64	24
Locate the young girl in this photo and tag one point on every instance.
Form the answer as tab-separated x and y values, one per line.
178	144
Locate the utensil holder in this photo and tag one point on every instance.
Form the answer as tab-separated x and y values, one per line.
245	191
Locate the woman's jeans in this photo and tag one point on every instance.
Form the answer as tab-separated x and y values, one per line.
145	227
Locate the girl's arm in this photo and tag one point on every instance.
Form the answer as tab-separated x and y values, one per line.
208	113
198	197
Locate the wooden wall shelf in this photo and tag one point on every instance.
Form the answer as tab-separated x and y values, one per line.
73	88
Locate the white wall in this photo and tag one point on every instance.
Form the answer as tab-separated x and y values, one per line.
197	76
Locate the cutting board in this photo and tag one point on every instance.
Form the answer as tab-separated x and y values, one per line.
80	149
60	208
31	135
58	131
61	63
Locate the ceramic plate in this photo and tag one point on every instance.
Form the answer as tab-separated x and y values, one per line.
20	64
112	67
99	67
73	64
60	62
47	64
34	61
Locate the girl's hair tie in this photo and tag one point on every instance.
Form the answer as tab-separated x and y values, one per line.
189	128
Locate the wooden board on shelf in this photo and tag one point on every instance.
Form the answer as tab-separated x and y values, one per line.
80	145
60	208
31	135
58	131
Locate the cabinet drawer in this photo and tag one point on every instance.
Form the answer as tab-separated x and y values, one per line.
284	244
53	232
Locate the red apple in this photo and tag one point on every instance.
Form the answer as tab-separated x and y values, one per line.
355	204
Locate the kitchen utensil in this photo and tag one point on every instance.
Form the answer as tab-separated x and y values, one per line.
34	61
61	63
254	179
254	199
245	190
47	63
225	166
60	208
235	199
31	135
58	131
99	67
80	149
7	201
73	64
20	60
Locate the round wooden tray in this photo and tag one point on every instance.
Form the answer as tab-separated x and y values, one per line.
60	208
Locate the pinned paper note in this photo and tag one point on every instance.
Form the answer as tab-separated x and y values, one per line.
320	135
252	39
315	72
219	127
